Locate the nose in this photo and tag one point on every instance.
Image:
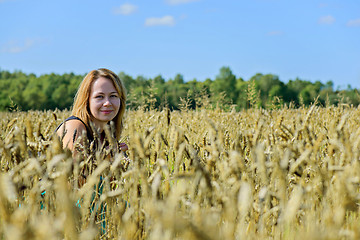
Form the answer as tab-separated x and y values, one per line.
107	102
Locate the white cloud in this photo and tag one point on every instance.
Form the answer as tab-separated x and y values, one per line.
125	9
354	23
16	47
326	20
164	21
176	2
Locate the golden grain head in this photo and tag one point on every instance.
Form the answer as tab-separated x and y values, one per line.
209	174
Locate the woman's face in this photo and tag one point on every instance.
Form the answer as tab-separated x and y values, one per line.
104	101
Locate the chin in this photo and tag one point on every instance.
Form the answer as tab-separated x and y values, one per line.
106	119
109	118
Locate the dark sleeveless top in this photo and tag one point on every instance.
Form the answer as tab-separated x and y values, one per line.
88	131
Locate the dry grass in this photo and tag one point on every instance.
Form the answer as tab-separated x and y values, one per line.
206	174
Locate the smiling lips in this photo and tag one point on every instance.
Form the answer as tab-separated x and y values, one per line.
106	111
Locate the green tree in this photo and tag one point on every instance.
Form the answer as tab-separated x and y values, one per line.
34	97
223	88
270	86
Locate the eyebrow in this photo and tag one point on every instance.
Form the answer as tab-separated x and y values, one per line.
99	92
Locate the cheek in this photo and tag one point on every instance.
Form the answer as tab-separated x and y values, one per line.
93	105
117	103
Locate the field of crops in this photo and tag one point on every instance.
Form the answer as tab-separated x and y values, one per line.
205	174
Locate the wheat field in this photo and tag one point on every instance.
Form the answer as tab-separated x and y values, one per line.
204	174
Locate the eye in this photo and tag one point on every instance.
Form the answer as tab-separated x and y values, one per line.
99	97
114	96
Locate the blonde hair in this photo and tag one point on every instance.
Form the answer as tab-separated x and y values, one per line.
81	108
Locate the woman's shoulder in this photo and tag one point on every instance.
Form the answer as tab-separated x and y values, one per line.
70	125
69	130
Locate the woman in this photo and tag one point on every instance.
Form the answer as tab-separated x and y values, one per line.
100	99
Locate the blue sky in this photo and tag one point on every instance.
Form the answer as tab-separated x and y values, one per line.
310	39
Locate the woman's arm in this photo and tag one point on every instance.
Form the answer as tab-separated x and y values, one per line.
72	129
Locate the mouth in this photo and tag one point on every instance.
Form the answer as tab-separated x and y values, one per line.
106	111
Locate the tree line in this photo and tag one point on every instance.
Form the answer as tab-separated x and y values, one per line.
20	91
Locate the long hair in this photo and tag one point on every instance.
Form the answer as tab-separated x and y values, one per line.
81	108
